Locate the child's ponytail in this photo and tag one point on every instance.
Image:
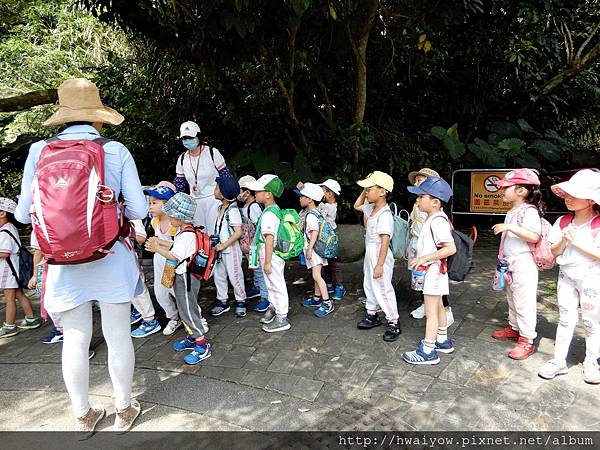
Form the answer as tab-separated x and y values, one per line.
534	197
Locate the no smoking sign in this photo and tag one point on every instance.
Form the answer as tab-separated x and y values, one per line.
489	185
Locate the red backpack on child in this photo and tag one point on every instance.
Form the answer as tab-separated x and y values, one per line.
540	250
202	262
74	213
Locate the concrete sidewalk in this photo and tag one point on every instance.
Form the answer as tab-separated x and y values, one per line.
323	374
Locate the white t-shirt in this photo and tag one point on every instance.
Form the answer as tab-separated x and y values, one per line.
225	224
159	260
311	223
200	171
252	212
184	246
138	227
329	211
573	261
33	242
8	245
531	221
382	222
435	232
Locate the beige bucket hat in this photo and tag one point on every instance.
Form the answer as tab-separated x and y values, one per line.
79	101
425	171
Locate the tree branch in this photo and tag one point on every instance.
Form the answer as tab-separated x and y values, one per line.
587	41
29	100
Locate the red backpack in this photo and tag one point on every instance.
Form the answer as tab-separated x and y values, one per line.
202	262
74	213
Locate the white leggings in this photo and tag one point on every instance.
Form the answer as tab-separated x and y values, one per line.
77	329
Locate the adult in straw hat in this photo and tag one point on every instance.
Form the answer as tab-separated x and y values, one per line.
112	280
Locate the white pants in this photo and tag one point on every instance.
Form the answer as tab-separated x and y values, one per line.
573	292
207	211
143	303
77	329
275	281
379	291
229	268
521	295
164	296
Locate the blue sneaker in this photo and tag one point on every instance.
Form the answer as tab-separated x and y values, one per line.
444	347
325	309
330	288
312	302
54	337
186	344
135	317
146	329
419	357
252	293
262	306
339	292
199	354
219	308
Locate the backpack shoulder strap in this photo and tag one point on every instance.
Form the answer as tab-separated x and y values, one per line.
566	220
13	237
212	156
102	141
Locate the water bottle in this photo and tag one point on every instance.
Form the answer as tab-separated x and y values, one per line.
38	279
168	276
417	279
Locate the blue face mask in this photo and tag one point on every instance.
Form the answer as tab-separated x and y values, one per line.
190	144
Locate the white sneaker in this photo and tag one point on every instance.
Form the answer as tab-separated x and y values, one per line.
205	324
551	369
418	313
171	327
591	373
449	317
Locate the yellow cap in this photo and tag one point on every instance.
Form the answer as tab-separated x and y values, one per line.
378	178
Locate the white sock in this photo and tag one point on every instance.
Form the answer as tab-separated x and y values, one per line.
428	347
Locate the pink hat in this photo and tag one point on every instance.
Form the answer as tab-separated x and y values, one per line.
585	184
167	184
519	176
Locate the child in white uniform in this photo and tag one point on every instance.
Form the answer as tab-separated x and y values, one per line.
9	256
143	309
267	189
181	209
310	195
521	226
378	264
165	232
228	268
575	240
251	212
328	207
434	246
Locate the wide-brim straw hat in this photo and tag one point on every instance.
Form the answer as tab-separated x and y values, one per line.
79	101
425	171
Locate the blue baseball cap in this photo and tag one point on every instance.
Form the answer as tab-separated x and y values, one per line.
160	192
229	187
433	186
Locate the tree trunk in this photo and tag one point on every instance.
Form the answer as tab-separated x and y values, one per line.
359	47
29	100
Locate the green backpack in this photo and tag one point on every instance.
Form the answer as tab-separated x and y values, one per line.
289	241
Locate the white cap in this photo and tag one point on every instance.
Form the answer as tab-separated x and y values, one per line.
245	180
312	191
332	185
189	129
8	205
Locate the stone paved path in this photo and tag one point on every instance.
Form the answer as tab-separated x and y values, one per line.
323	374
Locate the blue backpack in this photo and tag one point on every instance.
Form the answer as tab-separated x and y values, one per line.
399	241
327	245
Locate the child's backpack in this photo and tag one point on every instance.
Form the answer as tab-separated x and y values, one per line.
74	213
400	238
289	241
540	250
566	220
248	230
460	264
25	263
202	262
327	245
